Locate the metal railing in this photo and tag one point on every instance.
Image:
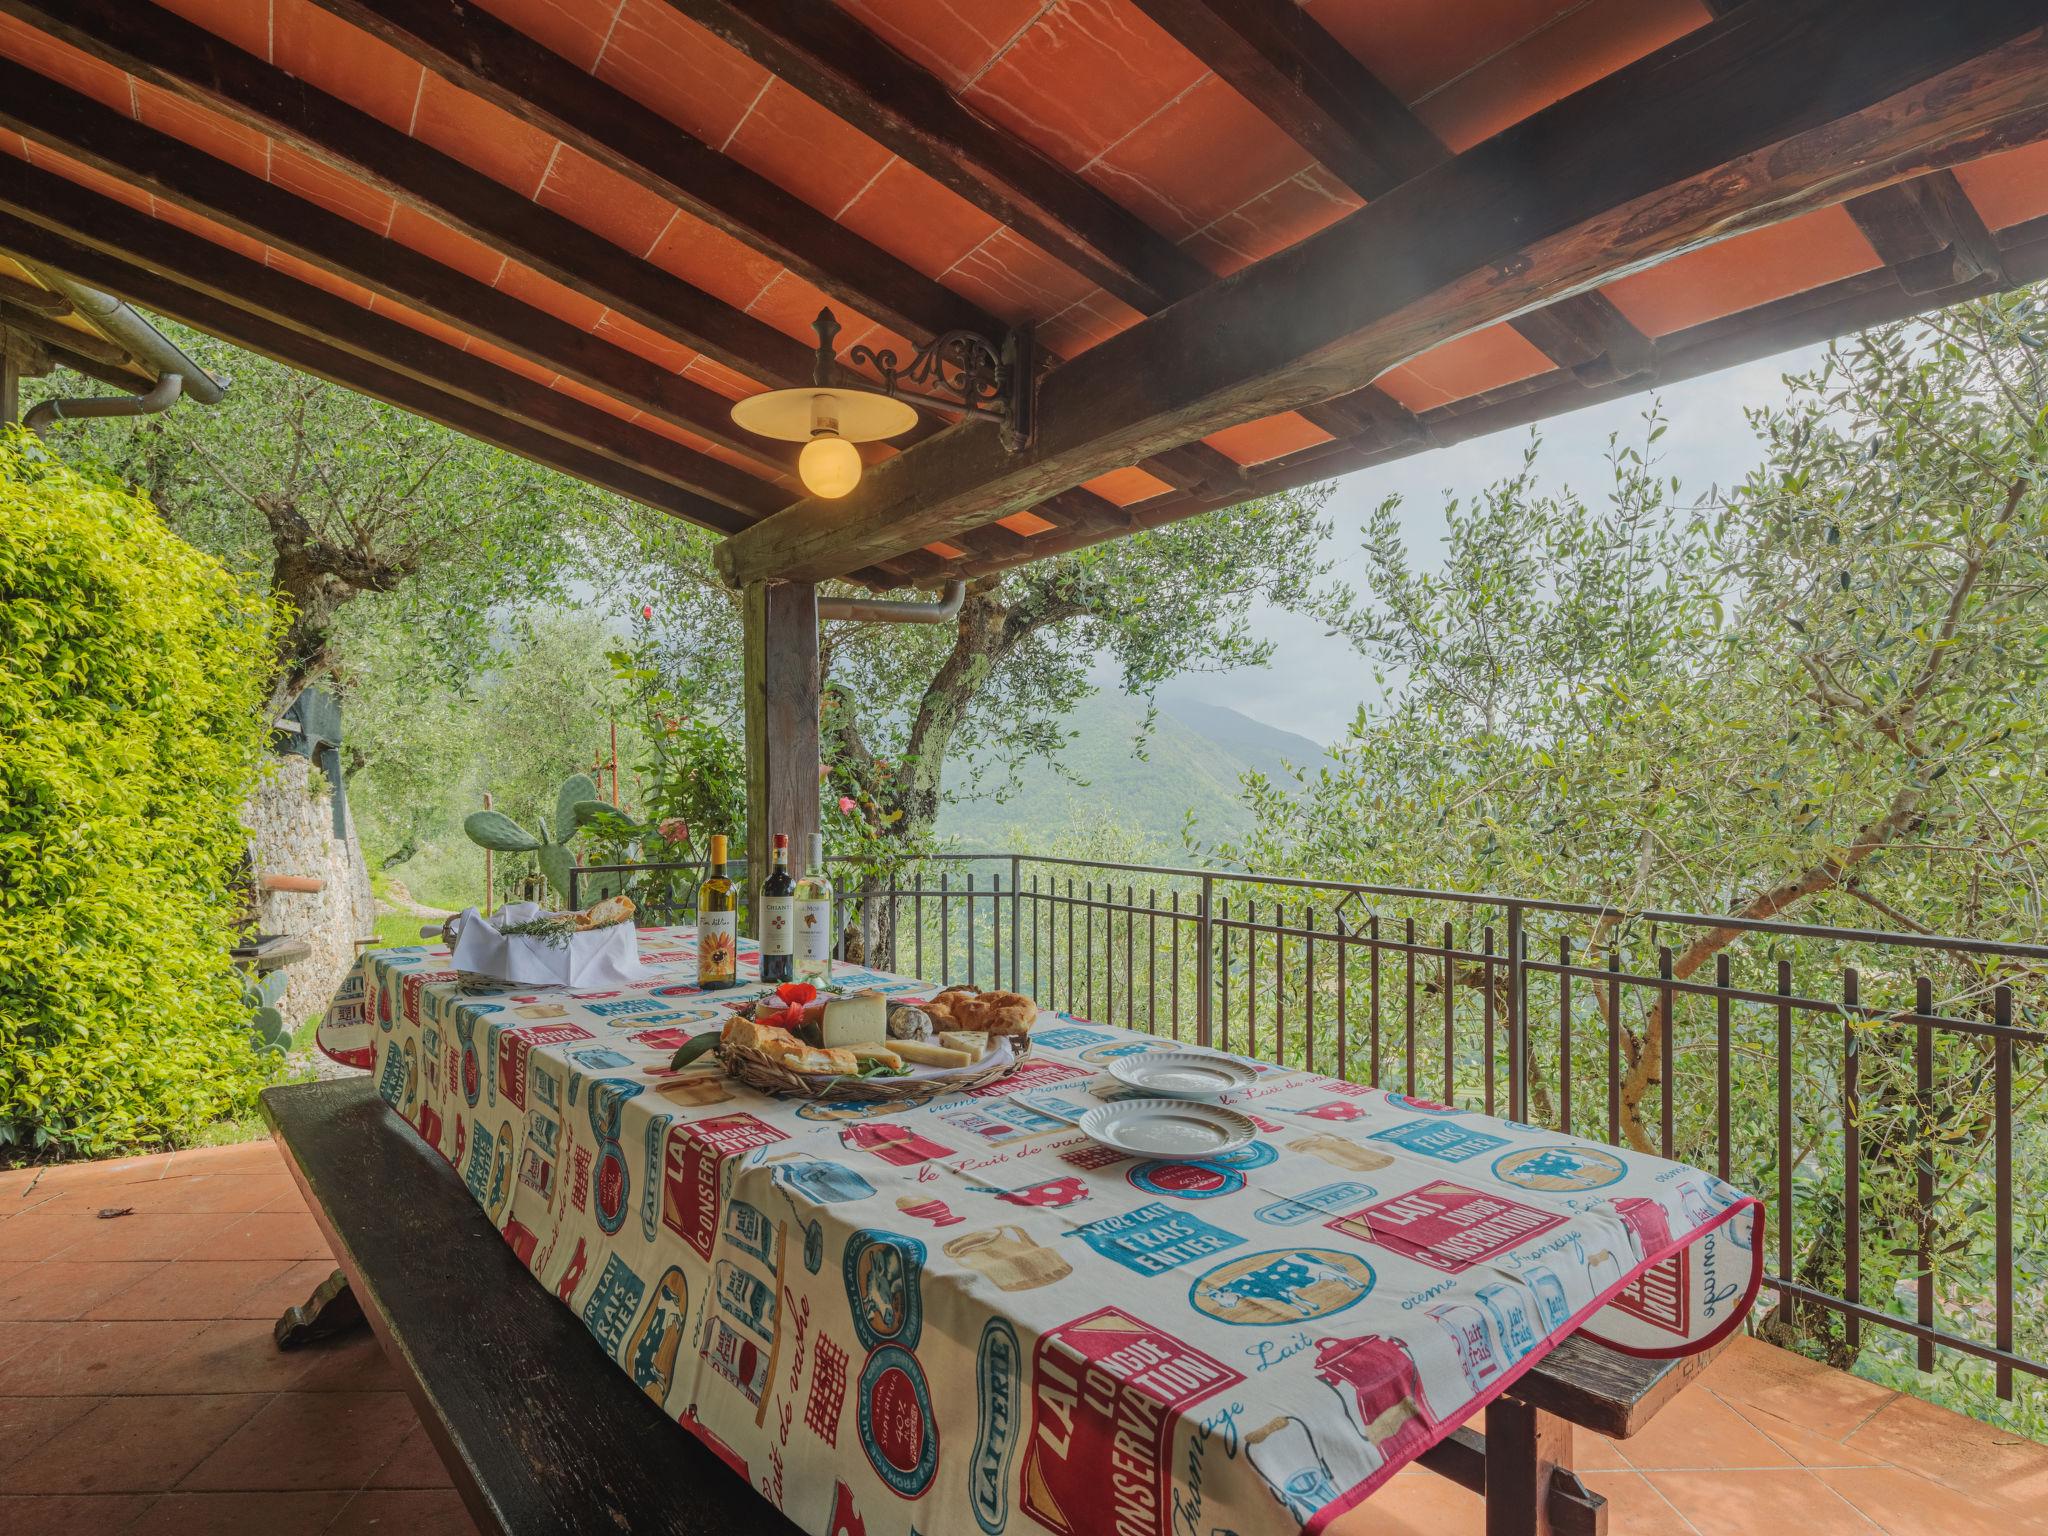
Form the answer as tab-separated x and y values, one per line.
1869	1085
1879	1090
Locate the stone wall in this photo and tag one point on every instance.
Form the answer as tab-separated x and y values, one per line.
291	832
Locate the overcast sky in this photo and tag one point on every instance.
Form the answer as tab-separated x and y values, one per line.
1315	683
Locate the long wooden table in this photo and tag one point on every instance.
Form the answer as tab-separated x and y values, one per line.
564	1443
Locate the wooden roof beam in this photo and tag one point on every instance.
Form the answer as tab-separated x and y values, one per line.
1928	232
1275	55
157	46
473	50
1767	113
82	219
108	142
296	349
830	57
1802	319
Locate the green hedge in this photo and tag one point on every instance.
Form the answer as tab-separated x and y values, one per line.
132	672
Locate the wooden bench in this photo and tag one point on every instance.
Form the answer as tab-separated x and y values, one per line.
542	1433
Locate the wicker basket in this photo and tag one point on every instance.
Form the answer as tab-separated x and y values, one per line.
758	1071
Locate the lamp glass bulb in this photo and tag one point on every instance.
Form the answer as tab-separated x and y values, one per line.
829	466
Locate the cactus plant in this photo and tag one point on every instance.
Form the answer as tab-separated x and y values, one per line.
576	803
260	994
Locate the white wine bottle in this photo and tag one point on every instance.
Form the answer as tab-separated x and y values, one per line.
718	920
814	932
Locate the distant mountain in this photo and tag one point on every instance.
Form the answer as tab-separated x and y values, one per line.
1194	757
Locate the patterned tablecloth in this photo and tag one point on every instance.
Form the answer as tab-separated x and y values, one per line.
965	1314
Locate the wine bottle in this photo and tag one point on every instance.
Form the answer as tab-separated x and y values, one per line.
717	925
814	932
776	916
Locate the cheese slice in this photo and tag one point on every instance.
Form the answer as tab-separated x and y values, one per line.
923	1054
868	1051
973	1041
854	1020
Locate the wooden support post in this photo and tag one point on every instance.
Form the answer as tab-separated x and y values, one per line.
782	720
1530	1489
10	383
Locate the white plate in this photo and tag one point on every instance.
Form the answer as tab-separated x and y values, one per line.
1177	1130
1183	1074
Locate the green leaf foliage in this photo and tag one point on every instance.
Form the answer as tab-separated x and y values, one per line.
132	667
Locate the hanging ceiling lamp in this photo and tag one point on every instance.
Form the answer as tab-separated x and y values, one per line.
965	372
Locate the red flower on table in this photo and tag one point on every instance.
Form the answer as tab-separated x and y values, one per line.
797	992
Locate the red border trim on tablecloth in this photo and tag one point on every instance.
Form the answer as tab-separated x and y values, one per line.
1358	1493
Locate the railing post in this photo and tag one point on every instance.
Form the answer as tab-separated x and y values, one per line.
1016	921
1204	960
1518	1020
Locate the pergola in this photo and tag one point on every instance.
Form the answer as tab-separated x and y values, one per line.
1257	243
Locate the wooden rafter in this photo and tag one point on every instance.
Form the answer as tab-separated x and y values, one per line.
1928	232
823	52
1275	55
296	349
1802	319
480	54
108	142
163	49
87	218
1771	111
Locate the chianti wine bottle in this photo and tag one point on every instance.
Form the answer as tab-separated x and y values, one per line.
814	934
777	917
718	920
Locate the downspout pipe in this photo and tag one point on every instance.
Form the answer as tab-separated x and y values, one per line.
159	397
177	374
889	610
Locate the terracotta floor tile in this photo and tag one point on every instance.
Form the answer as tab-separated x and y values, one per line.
17	1337
1596	1453
200	1194
260	1235
382	1511
242	1157
1635	1508
309	1440
44	1233
237	1355
1697	1429
92	1358
1985	1462
145	1236
1827	1402
131	1445
26	1422
290	1288
1906	1504
113	1170
102	1514
415	1464
355	1363
241	1514
58	1290
192	1289
1721	1503
1802	1444
1417	1504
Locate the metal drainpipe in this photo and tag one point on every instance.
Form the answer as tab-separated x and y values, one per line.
177	373
885	610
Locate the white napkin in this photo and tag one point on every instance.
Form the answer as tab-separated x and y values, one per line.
602	957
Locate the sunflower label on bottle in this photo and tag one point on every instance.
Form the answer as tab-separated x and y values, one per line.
717	925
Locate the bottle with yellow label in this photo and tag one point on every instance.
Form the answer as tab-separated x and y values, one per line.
718	918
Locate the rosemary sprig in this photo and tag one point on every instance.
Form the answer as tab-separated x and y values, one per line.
553	930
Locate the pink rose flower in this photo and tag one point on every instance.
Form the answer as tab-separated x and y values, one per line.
673	830
846	804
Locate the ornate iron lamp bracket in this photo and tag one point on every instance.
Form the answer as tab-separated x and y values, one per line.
955	371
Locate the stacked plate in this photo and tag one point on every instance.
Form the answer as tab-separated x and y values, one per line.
1181	1122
